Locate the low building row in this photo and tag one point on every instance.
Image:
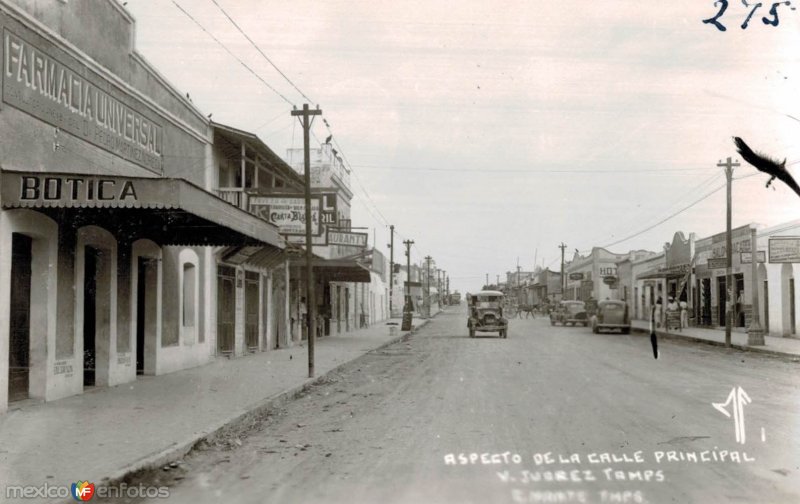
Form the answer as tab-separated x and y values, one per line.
134	234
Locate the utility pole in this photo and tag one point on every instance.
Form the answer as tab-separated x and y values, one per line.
519	283
311	300
728	165
428	286
391	267
487	280
563	284
439	286
407	306
448	290
755	335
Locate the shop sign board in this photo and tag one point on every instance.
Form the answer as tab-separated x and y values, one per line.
747	257
288	212
784	249
347	238
71	97
576	276
329	214
610	280
717	262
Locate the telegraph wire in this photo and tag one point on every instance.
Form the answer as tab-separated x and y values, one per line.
261	52
519	170
675	214
232	55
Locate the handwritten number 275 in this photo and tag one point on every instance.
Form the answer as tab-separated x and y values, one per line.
723	6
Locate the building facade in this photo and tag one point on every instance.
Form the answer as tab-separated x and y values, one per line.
109	221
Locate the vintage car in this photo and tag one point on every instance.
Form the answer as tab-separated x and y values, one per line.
569	312
611	314
486	313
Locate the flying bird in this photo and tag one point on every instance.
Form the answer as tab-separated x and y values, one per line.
328	139
767	165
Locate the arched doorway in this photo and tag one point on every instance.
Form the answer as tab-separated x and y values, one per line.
96	293
145	311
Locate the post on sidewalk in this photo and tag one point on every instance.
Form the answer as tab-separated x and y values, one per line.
755	335
729	164
306	117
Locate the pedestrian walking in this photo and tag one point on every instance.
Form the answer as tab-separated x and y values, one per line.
684	306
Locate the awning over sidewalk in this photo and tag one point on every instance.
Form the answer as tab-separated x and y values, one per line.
668	273
335	270
167	211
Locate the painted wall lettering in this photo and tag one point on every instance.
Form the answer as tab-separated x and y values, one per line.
48	89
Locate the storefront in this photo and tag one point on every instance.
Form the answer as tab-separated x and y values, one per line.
107	277
108	220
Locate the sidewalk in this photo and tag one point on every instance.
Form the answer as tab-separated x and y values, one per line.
110	432
773	345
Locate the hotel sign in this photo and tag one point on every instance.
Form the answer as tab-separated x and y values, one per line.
784	249
76	100
288	213
347	238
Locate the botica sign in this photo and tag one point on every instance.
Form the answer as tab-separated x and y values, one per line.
30	190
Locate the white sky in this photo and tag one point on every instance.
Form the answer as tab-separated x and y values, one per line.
463	120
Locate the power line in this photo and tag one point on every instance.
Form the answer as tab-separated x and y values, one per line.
665	219
231	53
261	52
519	170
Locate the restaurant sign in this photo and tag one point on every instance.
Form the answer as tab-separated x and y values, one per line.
74	99
347	238
288	213
784	249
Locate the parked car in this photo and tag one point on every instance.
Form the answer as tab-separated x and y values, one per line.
611	314
485	313
569	312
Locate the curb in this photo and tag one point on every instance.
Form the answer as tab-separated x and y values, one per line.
248	416
695	339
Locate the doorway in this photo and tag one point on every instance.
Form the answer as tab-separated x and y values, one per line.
20	318
766	307
251	310
226	308
146	306
90	317
740	301
722	295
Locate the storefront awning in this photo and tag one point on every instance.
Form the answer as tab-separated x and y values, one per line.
339	270
167	211
667	273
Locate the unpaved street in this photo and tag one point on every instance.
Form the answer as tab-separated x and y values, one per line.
552	414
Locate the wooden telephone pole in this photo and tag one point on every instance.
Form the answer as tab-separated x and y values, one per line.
729	165
306	119
563	284
391	267
408	243
428	286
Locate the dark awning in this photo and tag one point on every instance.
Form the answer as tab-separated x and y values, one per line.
335	270
167	211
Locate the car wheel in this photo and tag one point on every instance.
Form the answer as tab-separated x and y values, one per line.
626	330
